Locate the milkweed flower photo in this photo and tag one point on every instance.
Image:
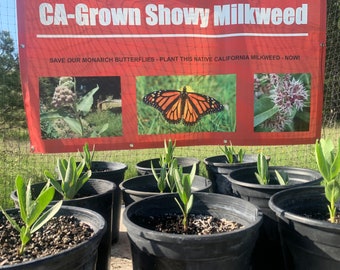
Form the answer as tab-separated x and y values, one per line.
279	98
288	93
63	95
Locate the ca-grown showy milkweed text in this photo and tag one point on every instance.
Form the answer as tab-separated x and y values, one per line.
158	15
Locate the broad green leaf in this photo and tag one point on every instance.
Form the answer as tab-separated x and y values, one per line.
49	116
86	102
74	124
263	104
261	117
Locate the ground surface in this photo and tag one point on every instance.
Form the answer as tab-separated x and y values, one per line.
120	252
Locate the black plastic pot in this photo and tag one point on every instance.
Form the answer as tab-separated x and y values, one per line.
80	257
165	251
143	186
308	243
144	167
113	172
96	195
245	185
218	166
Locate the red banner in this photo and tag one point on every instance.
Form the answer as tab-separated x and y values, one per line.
129	74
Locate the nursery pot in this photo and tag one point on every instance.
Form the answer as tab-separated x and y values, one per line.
143	186
218	166
309	243
79	257
96	195
168	251
113	172
245	185
144	167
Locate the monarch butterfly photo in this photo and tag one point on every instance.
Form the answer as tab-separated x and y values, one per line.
186	103
182	105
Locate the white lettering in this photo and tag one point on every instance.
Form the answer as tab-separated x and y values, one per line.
106	16
246	14
48	16
161	15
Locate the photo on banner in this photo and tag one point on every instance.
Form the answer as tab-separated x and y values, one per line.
186	104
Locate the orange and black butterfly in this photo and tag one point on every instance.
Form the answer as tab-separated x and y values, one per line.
178	105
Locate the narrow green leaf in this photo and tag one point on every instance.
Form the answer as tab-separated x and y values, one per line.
45	217
321	160
11	220
54	182
335	166
40	204
21	191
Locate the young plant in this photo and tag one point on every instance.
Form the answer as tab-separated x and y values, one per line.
161	178
87	156
328	161
166	162
263	175
183	185
32	212
168	155
71	175
165	178
231	154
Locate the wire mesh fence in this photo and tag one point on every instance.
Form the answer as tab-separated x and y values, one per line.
16	158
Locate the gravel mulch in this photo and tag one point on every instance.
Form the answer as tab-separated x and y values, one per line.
58	234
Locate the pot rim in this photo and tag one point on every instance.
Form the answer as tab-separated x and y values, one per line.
272	168
286	214
169	237
99	231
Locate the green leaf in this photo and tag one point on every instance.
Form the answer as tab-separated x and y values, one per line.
322	162
11	220
262	173
85	103
190	203
45	217
335	167
54	182
74	125
282	178
261	117
40	204
49	116
21	191
263	104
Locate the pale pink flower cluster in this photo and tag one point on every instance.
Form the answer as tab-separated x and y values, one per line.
287	93
63	95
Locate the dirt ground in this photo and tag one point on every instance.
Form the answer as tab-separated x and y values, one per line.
120	251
